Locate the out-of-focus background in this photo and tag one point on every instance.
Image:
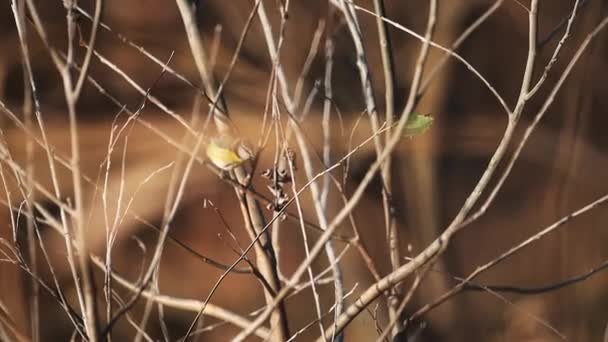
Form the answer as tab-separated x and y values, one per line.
563	167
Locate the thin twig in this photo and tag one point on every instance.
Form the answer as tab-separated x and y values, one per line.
442	48
29	96
182	304
539	115
536	237
463	37
265	254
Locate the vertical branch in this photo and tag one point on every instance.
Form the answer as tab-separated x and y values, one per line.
311	276
67	232
409	107
320	197
84	69
72	95
389	213
264	252
366	83
315	191
362	64
198	52
273	52
388	64
108	229
370	103
28	94
327	103
321	216
266	259
422	58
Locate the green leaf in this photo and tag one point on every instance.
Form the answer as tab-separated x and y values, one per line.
417	124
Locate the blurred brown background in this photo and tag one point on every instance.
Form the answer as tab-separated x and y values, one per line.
563	167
